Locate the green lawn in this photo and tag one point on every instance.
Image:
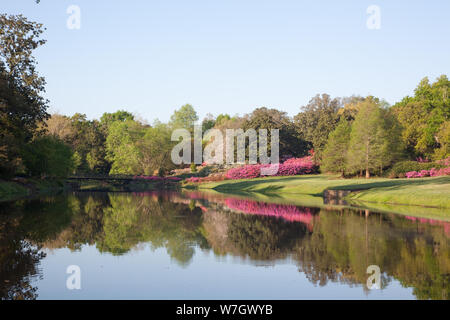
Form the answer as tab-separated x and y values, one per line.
433	192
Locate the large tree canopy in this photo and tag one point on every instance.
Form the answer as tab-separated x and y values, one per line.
22	106
185	118
374	138
424	118
317	120
290	143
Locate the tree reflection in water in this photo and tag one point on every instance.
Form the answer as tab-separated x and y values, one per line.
328	245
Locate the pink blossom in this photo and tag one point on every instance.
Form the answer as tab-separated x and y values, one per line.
290	167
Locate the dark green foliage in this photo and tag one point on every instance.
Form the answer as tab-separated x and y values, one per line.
317	120
290	143
22	106
85	137
208	122
48	156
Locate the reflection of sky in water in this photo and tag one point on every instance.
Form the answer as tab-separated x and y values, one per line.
147	274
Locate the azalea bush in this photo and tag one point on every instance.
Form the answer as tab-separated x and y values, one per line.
440	168
433	172
212	178
444	162
400	169
290	167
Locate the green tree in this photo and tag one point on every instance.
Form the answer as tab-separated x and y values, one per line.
317	120
185	117
422	116
120	115
22	106
335	154
264	118
86	138
48	156
208	122
155	149
221	118
121	150
373	142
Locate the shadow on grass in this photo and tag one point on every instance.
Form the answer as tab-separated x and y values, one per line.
275	185
392	184
250	185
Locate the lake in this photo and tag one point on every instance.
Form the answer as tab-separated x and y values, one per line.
193	245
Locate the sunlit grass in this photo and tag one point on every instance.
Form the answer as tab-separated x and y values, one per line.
433	192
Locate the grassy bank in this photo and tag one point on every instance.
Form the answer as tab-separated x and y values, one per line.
135	186
432	192
11	190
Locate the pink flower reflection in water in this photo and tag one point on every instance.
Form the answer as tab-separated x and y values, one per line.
287	212
445	224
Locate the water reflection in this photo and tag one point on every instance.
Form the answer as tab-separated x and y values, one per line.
327	245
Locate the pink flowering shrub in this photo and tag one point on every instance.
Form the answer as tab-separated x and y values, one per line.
216	177
445	162
428	173
290	167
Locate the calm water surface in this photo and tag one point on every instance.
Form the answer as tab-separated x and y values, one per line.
191	245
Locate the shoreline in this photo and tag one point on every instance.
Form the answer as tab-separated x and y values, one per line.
21	188
425	192
25	188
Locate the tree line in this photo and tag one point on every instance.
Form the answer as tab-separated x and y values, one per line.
350	135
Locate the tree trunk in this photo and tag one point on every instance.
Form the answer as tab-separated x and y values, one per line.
367	160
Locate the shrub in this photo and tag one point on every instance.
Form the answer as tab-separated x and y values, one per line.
400	169
291	167
212	178
433	172
444	162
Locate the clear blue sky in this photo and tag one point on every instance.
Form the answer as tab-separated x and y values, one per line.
151	57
